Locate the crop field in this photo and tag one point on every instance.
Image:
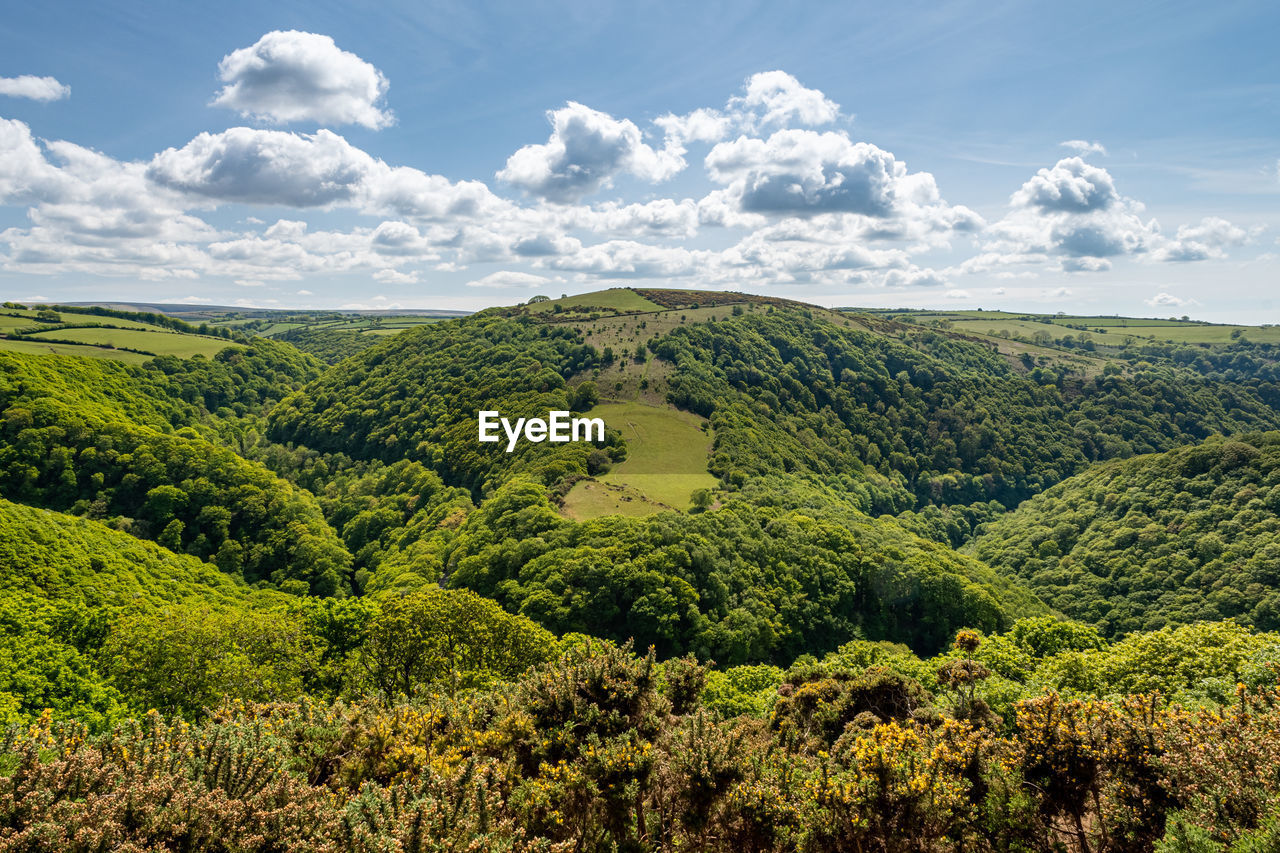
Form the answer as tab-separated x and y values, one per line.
666	462
160	343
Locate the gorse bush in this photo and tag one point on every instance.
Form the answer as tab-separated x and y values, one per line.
589	752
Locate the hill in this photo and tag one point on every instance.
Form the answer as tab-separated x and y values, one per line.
118	333
139	447
64	581
1164	539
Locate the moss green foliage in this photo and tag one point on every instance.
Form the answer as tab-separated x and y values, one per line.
453	638
64	581
1168	539
474	670
742	584
928	417
95	438
329	345
417	396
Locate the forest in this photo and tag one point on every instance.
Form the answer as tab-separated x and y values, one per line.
944	595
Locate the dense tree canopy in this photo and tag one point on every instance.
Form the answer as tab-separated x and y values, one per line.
1166	539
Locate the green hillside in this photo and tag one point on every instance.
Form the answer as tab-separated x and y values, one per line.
98	439
1166	539
64	581
119	334
827	573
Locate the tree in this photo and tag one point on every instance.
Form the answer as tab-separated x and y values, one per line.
449	637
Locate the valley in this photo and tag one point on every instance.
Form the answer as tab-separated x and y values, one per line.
801	525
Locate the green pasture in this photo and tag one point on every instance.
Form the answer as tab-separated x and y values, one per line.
41	348
666	462
160	343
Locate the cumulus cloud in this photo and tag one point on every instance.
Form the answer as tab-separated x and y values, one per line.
34	88
776	98
1072	212
1071	186
958	294
586	151
1084	148
1209	239
265	167
663	217
289	76
701	125
1168	300
630	259
509	279
860	190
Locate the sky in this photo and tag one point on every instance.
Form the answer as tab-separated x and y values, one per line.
1084	157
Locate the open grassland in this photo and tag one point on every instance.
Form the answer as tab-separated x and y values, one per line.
160	343
666	462
622	299
1105	331
12	320
41	348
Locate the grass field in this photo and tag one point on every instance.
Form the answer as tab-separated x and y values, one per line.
666	462
1108	331
35	348
160	343
617	299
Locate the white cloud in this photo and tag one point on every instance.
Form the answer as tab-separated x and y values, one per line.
390	276
265	167
34	88
586	150
509	279
305	293
663	217
629	259
1071	186
776	98
1086	264
701	125
998	291
958	294
195	300
1084	148
914	277
1060	293
1073	212
289	76
1168	300
806	173
1210	239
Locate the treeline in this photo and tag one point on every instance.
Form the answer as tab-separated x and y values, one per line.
1168	539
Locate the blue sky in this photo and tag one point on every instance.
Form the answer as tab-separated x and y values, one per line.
1084	157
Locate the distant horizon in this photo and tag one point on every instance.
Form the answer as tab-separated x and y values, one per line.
471	154
449	312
